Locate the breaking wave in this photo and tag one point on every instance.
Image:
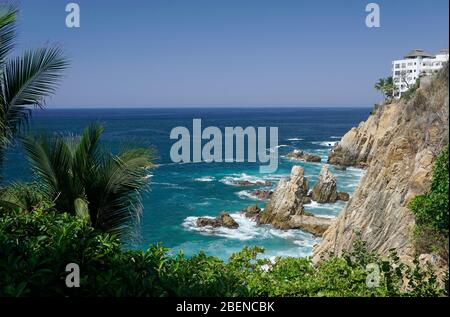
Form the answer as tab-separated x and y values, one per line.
205	179
248	229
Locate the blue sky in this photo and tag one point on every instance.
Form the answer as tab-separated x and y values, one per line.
230	53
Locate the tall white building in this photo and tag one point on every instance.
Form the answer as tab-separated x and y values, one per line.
417	63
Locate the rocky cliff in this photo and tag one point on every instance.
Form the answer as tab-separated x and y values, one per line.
398	145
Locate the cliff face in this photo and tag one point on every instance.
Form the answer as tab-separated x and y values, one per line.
398	145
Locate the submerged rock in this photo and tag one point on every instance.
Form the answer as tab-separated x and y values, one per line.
312	224
251	211
307	200
304	156
223	220
228	221
206	221
325	189
343	196
262	194
252	184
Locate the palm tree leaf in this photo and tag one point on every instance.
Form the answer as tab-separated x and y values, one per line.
37	151
120	184
86	154
83	178
8	14
27	80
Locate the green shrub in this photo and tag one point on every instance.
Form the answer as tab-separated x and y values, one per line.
431	211
36	246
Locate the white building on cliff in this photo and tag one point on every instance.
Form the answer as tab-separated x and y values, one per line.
415	64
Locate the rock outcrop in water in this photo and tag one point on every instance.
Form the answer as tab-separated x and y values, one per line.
285	209
252	212
223	220
246	183
304	156
287	200
398	145
325	190
262	194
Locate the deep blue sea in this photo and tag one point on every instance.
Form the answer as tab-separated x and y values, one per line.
180	192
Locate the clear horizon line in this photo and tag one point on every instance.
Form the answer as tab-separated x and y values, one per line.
204	107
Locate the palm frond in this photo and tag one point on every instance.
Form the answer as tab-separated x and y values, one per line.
50	159
27	80
119	186
8	14
21	196
83	178
86	155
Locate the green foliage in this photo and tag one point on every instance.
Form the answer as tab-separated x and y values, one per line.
84	179
25	80
431	209
36	246
407	95
432	213
386	87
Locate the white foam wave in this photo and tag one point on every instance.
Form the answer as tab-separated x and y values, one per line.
248	229
245	194
272	149
205	179
326	143
295	139
234	179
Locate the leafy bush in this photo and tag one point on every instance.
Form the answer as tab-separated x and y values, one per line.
431	210
407	95
36	246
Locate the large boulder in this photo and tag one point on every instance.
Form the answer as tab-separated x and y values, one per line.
304	156
343	196
223	220
325	189
262	194
287	200
208	222
227	221
251	211
309	223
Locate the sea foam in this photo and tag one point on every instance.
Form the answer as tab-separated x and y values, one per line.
248	229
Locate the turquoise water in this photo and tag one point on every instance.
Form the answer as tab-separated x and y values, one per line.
181	192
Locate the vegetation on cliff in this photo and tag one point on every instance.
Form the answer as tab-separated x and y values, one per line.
36	246
431	209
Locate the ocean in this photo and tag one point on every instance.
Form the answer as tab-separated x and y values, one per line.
181	192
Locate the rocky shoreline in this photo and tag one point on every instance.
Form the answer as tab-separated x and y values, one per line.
285	206
285	210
